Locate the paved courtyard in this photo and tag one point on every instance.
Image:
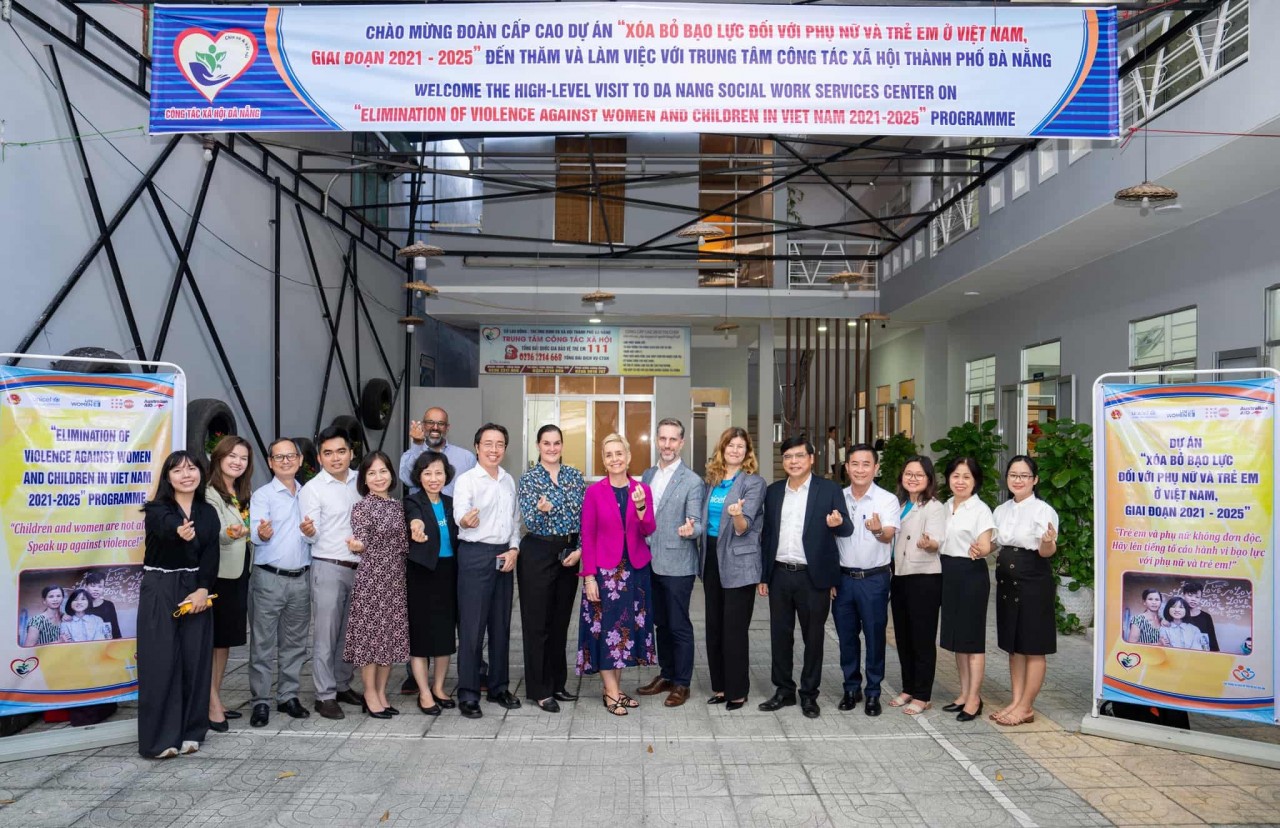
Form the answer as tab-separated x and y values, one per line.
697	765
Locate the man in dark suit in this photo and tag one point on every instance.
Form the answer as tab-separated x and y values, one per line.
803	516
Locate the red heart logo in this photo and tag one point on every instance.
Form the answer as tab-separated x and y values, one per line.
24	666
1129	660
210	62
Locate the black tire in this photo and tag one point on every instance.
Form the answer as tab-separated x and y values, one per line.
375	404
82	367
310	465
355	432
207	418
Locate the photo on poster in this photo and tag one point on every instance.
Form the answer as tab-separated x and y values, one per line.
1205	614
77	604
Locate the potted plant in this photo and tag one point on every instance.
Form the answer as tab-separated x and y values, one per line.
979	442
897	450
1064	453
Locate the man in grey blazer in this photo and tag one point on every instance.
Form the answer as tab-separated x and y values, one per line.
677	496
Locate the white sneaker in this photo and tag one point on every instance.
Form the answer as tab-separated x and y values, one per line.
168	753
189	747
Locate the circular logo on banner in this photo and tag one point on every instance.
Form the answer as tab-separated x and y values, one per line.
24	666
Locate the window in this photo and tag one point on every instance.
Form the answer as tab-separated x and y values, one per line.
731	167
587	408
583	216
1164	343
440	190
884	412
1273	327
907	408
1047	159
1042	360
995	192
980	390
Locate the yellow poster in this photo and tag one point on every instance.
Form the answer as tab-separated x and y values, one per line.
1186	578
78	456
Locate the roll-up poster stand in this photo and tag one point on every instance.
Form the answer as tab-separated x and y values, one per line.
79	453
1185	537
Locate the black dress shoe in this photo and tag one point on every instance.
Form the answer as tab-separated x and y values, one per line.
849	700
261	715
716	699
433	710
777	701
506	699
810	709
873	706
219	727
470	709
548	705
350	697
734	705
564	696
330	709
233	714
446	702
294	708
953	707
964	716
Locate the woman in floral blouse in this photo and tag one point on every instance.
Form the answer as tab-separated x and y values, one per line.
550	496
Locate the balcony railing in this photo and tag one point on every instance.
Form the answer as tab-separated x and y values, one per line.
808	267
957	220
1180	68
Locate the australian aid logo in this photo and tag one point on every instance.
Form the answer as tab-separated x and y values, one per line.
211	62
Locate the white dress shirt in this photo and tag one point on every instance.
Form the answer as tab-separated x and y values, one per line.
662	479
965	525
1021	525
495	497
795	502
862	550
328	501
286	549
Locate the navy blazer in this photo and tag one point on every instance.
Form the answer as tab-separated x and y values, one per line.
819	540
417	506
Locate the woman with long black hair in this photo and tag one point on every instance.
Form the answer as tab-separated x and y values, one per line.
175	652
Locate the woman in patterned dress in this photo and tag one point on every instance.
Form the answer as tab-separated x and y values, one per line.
1145	626
46	627
614	624
378	622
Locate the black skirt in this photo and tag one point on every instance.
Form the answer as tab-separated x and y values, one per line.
231	610
433	608
1025	592
966	586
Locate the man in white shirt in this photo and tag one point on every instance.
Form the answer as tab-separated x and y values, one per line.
833	463
487	512
280	604
861	601
430	433
325	503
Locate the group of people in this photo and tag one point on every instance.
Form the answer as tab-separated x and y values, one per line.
67	615
1174	620
377	582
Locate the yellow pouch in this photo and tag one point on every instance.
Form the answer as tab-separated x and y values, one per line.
185	607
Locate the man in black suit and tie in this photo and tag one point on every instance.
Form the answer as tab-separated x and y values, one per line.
803	516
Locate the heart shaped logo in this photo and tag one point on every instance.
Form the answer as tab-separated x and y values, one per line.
24	666
1243	673
1129	660
210	62
490	333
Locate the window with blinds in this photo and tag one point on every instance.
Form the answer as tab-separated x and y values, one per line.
597	167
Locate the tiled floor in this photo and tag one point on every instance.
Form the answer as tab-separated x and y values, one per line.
697	765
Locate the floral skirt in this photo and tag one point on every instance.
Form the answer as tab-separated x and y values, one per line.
618	631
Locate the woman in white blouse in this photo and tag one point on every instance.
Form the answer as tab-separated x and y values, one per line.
966	584
1180	632
1027	533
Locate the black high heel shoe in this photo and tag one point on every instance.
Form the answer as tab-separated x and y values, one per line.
219	727
433	710
716	699
965	716
381	714
392	711
734	705
953	707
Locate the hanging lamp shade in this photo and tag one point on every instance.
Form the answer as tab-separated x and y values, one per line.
598	297
1147	192
421	287
411	320
419	250
725	327
874	316
702	230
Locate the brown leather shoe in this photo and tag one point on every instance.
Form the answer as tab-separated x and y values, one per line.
653	688
678	696
330	709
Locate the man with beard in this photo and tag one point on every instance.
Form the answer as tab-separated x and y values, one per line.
430	433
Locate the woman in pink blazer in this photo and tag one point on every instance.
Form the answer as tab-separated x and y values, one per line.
615	628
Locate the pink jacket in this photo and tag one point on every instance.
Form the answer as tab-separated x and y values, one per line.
602	529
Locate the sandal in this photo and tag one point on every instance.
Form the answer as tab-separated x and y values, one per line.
915	707
615	706
900	700
627	701
1005	721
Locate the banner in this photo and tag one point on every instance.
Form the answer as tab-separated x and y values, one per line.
1186	538
593	349
636	67
78	458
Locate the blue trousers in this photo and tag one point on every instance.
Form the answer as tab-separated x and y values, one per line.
671	595
862	608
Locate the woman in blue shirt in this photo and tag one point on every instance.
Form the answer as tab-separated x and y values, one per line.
550	495
431	576
731	562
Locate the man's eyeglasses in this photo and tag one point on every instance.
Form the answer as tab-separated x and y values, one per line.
436	423
285	458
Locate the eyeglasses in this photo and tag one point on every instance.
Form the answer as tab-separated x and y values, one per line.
913	476
795	455
436	423
1021	477
490	446
285	458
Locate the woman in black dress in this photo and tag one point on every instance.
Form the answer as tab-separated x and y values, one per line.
180	563
228	492
432	576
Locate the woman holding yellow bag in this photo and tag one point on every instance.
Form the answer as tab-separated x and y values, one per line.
228	492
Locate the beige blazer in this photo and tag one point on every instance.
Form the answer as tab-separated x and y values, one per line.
231	553
909	559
